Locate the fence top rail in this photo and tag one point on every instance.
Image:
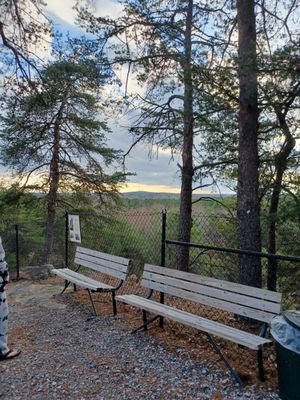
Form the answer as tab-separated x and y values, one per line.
234	251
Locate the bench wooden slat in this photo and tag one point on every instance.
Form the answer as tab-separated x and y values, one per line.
96	265
104	256
230	286
215	328
80	280
213	292
209	301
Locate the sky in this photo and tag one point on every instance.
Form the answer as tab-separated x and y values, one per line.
155	171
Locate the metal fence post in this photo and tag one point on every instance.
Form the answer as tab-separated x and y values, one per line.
163	256
67	239
17	252
163	238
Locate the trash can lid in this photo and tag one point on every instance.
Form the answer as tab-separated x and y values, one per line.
293	318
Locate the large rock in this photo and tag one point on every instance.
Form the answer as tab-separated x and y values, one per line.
37	272
35	294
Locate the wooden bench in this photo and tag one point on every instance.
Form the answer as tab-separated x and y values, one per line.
246	301
107	264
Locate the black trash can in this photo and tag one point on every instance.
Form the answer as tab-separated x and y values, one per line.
285	330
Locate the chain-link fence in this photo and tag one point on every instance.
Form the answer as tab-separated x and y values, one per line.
133	235
138	235
23	243
217	256
9	236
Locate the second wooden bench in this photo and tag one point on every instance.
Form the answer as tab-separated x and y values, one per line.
246	301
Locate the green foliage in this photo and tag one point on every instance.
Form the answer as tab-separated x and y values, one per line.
17	206
65	110
26	211
287	221
54	139
135	232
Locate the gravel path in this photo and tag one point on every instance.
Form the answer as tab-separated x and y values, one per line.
65	355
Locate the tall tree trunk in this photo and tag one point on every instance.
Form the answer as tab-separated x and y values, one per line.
53	190
280	165
248	210
187	171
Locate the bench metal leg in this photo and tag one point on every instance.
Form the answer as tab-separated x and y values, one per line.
145	320
260	360
114	302
67	283
261	371
161	322
144	326
224	359
91	299
162	301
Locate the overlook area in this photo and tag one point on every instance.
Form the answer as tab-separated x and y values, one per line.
149	197
68	354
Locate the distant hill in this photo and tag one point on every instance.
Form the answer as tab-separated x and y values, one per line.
140	195
160	195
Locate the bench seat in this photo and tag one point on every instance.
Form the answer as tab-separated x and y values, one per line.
243	338
81	280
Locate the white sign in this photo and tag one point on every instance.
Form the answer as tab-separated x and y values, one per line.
74	228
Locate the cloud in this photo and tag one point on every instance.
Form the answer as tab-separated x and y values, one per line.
151	167
108	8
63	9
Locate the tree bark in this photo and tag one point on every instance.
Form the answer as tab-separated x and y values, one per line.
53	190
187	171
248	210
280	165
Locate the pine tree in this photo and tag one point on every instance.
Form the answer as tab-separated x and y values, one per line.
54	138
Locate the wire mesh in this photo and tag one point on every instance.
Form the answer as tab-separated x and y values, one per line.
8	236
130	234
24	242
220	231
137	235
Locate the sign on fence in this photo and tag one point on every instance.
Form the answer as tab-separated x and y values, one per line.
74	228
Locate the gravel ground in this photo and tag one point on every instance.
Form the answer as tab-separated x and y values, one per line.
66	355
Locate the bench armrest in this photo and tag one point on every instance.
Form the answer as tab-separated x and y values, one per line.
150	293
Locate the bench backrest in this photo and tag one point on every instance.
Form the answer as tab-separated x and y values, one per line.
248	301
102	262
